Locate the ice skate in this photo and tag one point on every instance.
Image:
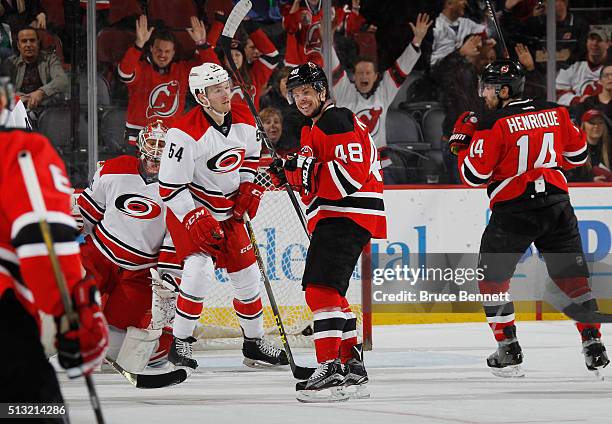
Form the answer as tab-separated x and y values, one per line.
259	353
356	376
595	356
507	359
181	353
325	385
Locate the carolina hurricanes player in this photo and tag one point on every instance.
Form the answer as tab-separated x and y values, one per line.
126	238
518	151
338	175
27	283
206	180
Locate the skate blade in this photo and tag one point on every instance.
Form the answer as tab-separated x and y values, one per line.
188	370
331	395
359	391
511	371
261	365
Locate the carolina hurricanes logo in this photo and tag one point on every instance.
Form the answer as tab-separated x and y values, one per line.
226	161
138	206
370	117
164	100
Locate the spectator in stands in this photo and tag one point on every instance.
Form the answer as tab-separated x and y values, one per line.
526	20
157	84
21	13
273	125
599	101
370	96
276	97
599	145
302	21
39	77
580	80
451	29
264	54
535	79
458	74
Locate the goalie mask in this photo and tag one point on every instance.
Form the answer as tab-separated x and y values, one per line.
151	142
204	76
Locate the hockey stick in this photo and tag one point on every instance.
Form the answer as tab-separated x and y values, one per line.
152	381
229	30
38	205
498	29
301	373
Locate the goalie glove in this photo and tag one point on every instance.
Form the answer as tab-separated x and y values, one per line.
301	173
464	129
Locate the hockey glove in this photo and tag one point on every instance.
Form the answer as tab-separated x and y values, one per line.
249	196
301	172
277	173
464	129
80	349
203	229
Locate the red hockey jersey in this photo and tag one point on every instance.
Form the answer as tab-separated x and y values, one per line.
24	262
349	183
519	151
154	94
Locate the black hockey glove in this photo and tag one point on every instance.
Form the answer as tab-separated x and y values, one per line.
277	173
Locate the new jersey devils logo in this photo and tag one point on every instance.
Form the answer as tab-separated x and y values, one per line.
313	39
371	117
164	100
227	161
138	206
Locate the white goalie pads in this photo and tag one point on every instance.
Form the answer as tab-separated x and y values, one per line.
163	304
137	348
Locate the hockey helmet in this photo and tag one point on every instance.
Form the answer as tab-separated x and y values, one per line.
206	75
308	73
503	72
151	140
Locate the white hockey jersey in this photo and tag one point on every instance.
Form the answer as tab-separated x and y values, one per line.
203	164
372	111
126	217
449	36
578	80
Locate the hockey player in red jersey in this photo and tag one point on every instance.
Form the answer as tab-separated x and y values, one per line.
126	238
338	176
27	283
206	180
519	150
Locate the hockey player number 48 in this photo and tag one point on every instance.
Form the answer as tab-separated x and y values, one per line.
355	154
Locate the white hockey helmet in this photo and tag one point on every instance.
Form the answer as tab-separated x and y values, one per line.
205	75
151	140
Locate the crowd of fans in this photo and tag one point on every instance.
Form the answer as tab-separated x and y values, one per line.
396	64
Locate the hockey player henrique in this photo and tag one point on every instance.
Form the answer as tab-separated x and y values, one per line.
206	180
338	176
519	151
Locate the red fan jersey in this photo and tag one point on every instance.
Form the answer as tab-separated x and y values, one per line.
156	93
349	182
519	151
24	262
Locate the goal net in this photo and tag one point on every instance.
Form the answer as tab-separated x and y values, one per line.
283	244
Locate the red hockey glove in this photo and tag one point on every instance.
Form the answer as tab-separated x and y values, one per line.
249	196
82	348
277	173
464	129
203	229
301	172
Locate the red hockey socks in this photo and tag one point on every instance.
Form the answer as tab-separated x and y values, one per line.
499	314
578	290
349	333
329	320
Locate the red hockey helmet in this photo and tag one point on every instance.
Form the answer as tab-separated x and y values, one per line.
151	140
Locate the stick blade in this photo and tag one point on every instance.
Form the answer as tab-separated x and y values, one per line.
236	16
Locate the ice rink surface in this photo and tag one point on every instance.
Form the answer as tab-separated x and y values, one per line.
418	374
